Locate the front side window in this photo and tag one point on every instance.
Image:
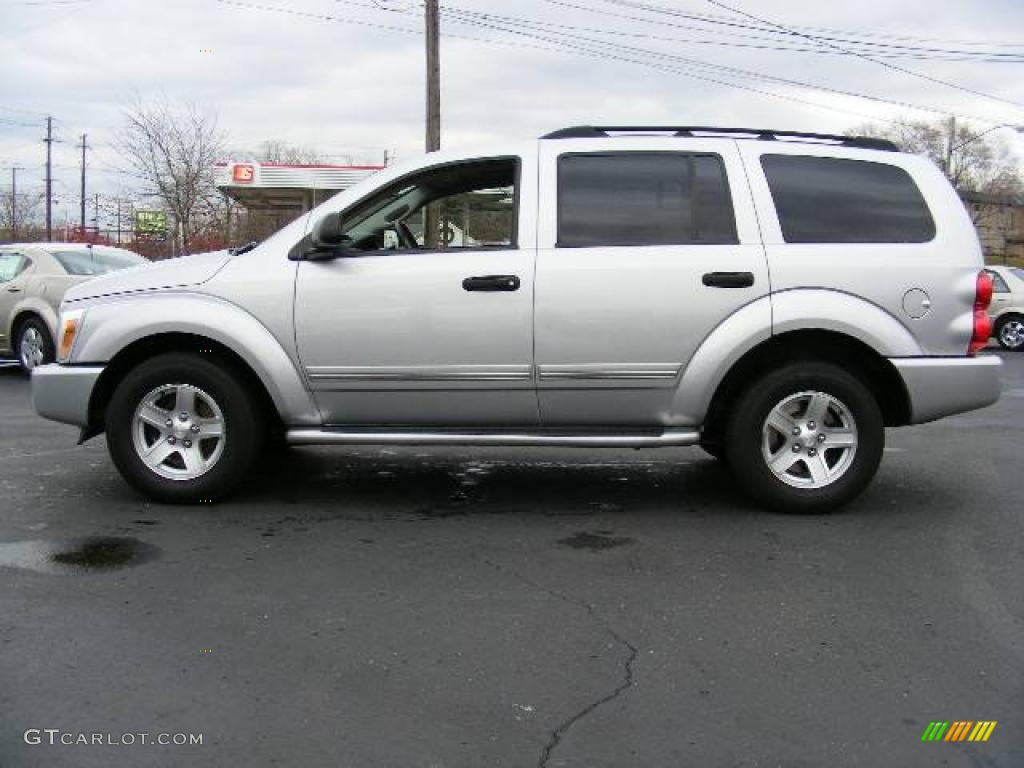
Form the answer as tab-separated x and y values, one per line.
834	200
11	265
468	205
643	198
91	261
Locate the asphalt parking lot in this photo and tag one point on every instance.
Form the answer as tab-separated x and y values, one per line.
505	607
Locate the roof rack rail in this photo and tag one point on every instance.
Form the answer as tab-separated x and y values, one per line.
763	134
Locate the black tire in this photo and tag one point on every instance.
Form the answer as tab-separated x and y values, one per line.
244	430
1001	326
743	439
37	325
715	450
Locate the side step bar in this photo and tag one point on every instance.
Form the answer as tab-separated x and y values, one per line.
668	437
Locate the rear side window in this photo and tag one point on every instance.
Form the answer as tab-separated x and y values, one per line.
643	198
833	200
998	284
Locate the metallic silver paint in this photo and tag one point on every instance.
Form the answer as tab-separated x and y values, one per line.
61	392
942	386
111	324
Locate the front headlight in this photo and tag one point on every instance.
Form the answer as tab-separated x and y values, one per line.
70	325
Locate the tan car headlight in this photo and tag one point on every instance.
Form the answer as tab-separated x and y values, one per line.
70	324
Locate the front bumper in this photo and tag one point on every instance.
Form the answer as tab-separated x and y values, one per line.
62	392
942	386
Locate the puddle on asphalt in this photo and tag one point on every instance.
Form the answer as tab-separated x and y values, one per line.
594	541
93	554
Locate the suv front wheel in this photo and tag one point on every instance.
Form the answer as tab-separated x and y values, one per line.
805	438
181	428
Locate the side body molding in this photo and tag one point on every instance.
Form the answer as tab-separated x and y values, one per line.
129	319
783	312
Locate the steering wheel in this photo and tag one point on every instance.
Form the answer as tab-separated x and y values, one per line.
405	236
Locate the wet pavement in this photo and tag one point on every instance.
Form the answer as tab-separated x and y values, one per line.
513	607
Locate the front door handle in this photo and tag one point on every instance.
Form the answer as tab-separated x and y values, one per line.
14	289
728	279
491	283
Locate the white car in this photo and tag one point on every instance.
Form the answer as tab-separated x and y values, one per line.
33	279
1007	308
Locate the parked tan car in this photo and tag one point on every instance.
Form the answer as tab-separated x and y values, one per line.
1007	308
33	279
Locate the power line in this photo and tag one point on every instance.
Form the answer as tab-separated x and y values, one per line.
865	57
860	38
772	39
721	70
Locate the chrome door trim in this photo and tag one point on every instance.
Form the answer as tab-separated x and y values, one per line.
606	371
420	373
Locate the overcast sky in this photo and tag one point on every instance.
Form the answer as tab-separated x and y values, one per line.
353	89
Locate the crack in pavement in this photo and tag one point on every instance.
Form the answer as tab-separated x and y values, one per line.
627	681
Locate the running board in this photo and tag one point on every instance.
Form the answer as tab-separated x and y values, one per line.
668	437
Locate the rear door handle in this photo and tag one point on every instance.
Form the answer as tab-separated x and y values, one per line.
491	283
728	279
14	289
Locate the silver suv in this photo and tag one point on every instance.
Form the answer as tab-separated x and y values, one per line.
775	297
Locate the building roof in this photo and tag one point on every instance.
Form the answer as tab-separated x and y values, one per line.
285	187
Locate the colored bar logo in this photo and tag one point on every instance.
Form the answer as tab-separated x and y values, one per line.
959	730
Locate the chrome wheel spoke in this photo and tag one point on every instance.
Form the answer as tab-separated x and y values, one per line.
193	460
158	453
184	399
818	468
784	460
155	417
838	438
210	428
781	421
817	407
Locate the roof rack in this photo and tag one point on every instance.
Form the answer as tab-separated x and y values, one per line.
763	134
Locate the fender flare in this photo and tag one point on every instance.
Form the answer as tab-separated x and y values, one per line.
784	312
113	325
33	305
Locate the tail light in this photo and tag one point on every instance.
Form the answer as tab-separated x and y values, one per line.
982	324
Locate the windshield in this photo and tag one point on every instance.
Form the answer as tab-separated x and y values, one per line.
1018	273
91	261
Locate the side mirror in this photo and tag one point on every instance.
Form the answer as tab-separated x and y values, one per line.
327	232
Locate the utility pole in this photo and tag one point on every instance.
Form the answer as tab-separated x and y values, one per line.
96	215
433	33
949	147
81	218
119	220
49	178
431	220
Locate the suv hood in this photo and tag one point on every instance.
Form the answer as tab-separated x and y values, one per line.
181	272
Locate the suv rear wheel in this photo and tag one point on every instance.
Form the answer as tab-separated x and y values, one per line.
181	428
806	438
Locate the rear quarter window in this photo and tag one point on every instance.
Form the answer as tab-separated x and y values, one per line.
835	200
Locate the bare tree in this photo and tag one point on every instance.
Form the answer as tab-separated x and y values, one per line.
171	148
972	160
18	214
278	151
